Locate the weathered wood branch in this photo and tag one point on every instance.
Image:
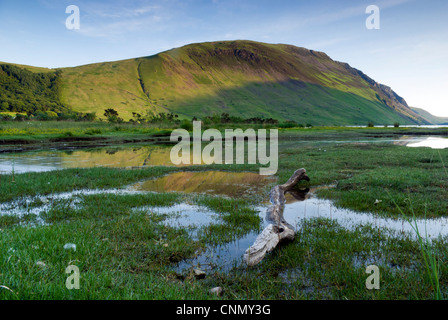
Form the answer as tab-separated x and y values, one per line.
278	229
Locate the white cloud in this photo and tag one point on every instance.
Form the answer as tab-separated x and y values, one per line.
119	18
120	27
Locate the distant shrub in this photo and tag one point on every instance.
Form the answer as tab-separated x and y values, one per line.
186	124
161	117
51	114
21	117
370	124
91	132
112	116
46	115
91	116
396	125
288	124
137	118
6	117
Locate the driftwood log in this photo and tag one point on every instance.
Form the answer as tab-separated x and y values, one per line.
278	229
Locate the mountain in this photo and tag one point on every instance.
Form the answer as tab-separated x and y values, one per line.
242	78
431	118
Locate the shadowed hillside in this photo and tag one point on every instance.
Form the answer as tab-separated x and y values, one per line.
241	78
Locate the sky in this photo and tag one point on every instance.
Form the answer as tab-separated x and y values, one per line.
408	52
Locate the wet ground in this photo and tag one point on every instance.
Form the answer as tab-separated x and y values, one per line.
230	184
158	155
300	205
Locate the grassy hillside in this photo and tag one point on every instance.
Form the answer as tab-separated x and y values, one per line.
242	78
431	118
96	87
30	68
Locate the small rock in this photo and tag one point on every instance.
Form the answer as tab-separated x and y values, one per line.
199	274
165	245
217	291
69	246
378	201
41	264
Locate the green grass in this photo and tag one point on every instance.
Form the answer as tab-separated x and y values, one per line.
365	172
119	258
47	183
124	252
430	255
118	249
47	132
244	78
44	134
96	87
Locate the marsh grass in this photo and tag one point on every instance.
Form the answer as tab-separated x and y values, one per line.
364	172
120	252
46	131
12	171
43	134
428	251
125	252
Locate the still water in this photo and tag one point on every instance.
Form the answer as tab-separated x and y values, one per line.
230	184
155	155
300	206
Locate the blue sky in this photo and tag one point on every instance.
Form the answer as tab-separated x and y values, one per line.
408	53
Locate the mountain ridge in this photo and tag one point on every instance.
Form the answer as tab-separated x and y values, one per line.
241	77
430	117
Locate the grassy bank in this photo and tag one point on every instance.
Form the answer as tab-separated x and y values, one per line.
44	134
26	135
126	252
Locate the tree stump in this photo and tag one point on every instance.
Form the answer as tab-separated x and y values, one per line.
278	229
